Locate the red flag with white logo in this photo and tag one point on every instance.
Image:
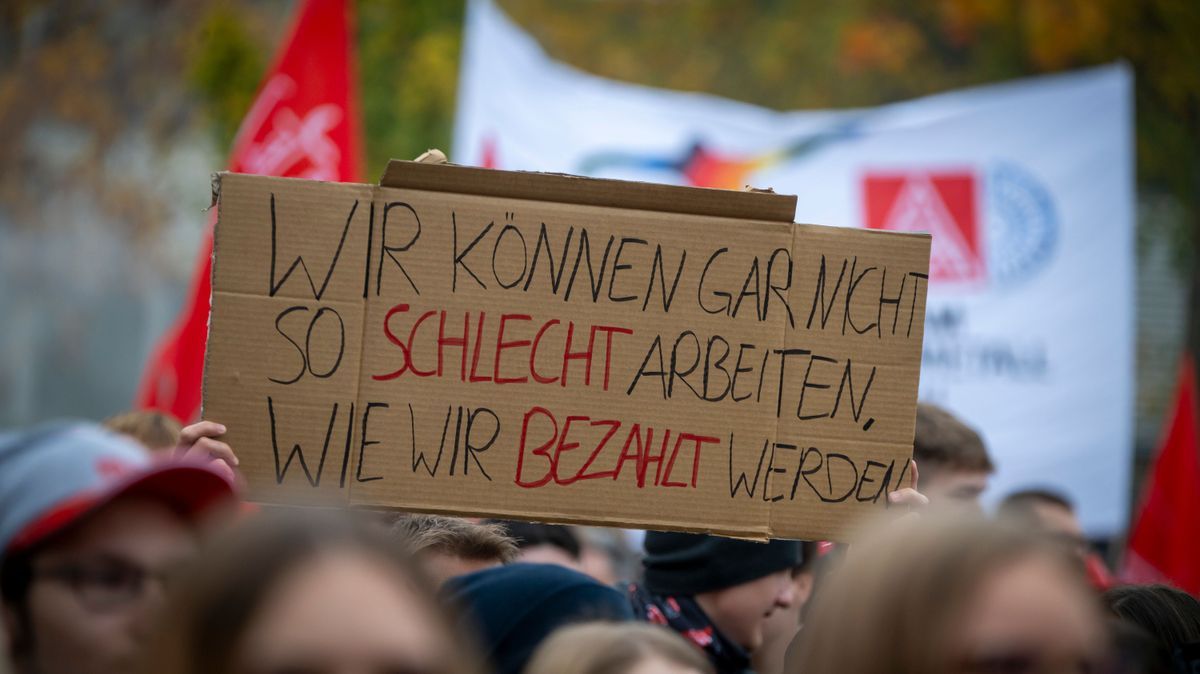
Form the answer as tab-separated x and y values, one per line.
304	124
1164	544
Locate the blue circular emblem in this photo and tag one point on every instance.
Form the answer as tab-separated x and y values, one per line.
1021	224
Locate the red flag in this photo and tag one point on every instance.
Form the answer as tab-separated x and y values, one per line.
1164	545
304	124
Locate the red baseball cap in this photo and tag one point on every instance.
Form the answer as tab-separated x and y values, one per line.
56	474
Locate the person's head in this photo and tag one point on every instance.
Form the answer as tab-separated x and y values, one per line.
951	594
617	648
782	625
89	526
738	584
155	430
540	543
952	458
305	592
1171	617
513	608
1045	511
605	554
452	546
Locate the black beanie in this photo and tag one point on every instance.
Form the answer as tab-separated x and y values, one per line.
688	564
513	608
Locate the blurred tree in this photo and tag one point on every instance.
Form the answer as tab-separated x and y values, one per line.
76	80
226	66
408	60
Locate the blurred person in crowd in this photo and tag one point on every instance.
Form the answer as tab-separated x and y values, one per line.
781	626
452	546
716	592
288	592
90	524
721	593
622	648
157	431
513	608
954	462
1047	511
540	543
606	555
1171	618
951	593
1051	513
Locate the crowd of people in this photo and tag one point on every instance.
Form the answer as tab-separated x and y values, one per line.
126	549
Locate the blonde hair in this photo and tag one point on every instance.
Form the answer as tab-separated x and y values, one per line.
894	605
455	537
613	648
154	430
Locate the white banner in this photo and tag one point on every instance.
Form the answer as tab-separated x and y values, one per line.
1028	188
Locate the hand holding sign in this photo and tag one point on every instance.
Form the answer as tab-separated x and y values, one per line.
909	496
198	442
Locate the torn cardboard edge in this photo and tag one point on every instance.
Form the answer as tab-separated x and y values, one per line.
583	191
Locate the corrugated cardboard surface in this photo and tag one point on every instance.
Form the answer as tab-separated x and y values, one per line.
304	354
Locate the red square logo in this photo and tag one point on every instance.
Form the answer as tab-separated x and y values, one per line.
942	203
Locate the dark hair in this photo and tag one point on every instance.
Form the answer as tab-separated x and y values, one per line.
1131	649
1027	498
16	576
529	534
456	537
216	600
1169	615
1020	507
941	440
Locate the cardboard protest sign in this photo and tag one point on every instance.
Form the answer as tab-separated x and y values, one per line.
547	347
